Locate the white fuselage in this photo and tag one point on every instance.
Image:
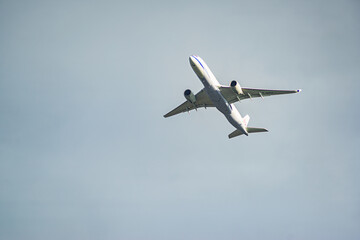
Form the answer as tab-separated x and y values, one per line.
211	87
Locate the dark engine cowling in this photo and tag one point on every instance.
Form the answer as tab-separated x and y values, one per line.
189	96
235	86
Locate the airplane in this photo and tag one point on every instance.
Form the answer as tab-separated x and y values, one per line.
223	98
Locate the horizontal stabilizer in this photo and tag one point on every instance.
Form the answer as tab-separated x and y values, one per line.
256	130
238	132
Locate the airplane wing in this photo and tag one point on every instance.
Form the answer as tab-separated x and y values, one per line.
202	100
232	97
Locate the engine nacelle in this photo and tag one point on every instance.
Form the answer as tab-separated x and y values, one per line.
235	86
189	96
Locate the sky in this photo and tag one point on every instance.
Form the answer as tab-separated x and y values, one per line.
85	152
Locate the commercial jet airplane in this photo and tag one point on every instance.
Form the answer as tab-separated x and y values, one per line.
222	97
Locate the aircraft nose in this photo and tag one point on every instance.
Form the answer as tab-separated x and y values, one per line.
191	60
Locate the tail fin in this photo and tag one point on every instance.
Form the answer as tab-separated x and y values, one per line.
246	120
237	132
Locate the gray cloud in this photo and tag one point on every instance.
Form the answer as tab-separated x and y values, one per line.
86	154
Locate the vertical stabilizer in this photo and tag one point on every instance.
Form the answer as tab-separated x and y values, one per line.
246	120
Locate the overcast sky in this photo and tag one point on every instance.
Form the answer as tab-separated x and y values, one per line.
85	152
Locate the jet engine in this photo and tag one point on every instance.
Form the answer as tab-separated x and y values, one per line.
189	96
235	86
